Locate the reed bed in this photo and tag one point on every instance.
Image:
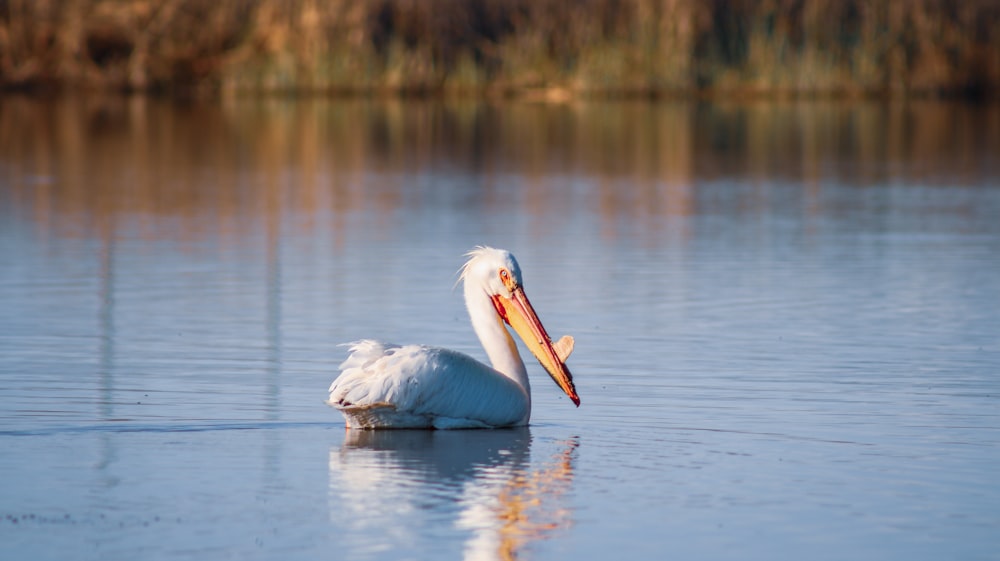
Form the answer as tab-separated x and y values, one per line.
530	48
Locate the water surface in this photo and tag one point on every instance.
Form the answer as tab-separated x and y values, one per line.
788	343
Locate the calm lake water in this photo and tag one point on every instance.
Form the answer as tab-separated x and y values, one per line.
786	317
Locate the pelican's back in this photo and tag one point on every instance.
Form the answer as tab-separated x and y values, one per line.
414	386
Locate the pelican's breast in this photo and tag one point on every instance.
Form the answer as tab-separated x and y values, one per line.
415	386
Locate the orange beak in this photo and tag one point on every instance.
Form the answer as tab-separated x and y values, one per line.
519	314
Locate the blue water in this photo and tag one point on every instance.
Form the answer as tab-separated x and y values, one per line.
787	336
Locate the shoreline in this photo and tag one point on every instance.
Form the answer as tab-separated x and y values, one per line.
541	50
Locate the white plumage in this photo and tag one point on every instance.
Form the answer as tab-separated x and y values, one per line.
414	386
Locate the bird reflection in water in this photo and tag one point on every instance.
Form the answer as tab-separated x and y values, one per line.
404	485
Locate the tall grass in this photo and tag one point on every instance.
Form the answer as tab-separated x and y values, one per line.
549	48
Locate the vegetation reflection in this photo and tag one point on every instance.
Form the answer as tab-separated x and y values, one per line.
87	167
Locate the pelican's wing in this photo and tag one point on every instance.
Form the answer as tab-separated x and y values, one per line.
414	386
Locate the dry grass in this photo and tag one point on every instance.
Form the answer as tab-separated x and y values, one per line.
548	48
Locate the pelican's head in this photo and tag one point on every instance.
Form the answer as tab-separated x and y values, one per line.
496	272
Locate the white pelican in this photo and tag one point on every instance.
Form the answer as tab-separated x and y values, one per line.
415	386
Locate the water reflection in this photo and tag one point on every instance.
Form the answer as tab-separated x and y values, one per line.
485	481
185	170
530	506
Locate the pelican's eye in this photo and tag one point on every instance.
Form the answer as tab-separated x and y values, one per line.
505	278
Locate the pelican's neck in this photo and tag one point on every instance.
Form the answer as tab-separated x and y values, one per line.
495	338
